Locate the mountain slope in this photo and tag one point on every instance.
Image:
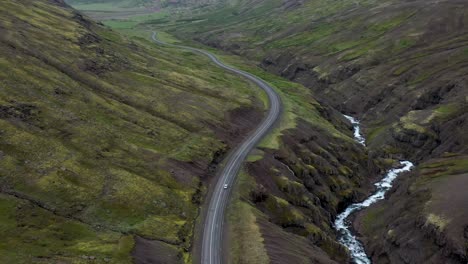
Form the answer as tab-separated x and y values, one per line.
104	141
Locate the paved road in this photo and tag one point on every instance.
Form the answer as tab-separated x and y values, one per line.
213	227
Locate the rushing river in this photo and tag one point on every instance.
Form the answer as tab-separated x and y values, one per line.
342	224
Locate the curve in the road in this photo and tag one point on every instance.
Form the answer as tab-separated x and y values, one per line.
213	226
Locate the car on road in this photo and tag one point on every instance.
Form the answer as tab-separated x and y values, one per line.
225	186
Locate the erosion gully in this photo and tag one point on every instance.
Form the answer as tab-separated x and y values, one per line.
342	223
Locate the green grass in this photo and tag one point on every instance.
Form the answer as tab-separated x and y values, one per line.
388	24
133	21
168	38
447	166
256	154
372	218
108	6
372	134
40	234
246	244
305	38
120	24
406	43
404	68
447	110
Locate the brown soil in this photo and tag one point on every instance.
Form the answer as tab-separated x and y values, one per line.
284	247
154	252
238	124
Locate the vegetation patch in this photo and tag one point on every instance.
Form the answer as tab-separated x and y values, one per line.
437	221
246	239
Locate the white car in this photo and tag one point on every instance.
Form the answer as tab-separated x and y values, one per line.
225	186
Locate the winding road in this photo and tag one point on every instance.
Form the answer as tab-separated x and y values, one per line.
213	226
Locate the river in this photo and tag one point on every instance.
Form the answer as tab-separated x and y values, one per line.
342	223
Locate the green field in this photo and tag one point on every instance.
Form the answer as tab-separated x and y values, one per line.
108	5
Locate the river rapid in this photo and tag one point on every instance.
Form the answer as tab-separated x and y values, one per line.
342	223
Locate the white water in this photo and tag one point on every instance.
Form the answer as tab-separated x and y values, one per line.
357	130
342	224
